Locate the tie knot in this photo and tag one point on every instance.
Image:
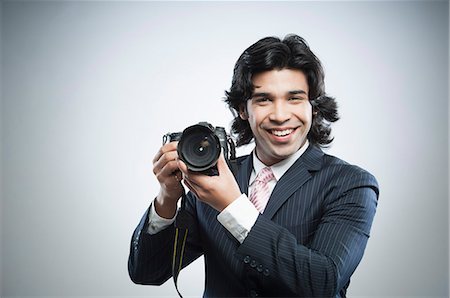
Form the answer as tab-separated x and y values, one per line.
265	175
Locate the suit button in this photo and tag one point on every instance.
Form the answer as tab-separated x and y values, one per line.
260	268
253	264
247	259
266	272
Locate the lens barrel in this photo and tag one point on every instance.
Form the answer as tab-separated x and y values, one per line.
199	147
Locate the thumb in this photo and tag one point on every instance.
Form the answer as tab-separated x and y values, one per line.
221	163
182	166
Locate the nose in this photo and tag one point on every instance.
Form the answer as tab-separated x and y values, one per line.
280	112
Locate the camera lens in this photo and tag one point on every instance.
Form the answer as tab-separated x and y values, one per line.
199	148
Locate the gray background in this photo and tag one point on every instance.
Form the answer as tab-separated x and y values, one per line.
89	88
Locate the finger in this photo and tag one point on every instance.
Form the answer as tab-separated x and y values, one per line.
193	180
178	175
175	178
168	173
193	177
163	160
172	146
188	175
182	166
169	168
169	147
221	163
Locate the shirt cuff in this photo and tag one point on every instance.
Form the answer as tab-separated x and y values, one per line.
157	223
239	217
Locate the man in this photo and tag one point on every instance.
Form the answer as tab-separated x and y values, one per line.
300	231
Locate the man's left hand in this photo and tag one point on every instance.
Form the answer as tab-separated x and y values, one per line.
217	191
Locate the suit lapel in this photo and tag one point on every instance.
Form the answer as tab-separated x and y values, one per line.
243	176
297	175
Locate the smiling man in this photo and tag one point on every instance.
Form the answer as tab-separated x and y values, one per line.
294	221
279	113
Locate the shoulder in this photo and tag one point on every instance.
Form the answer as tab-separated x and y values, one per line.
347	174
316	160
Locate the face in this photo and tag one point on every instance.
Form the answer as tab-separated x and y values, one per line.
279	113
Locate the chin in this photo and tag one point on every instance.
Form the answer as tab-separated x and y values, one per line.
280	155
287	150
276	154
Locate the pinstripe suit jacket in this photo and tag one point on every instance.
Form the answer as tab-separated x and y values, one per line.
307	243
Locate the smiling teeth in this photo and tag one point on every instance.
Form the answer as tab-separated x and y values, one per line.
282	133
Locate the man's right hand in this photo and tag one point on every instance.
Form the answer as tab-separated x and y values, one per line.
169	177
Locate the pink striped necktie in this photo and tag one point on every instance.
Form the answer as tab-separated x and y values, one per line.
260	190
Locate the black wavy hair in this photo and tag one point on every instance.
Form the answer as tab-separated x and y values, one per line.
273	53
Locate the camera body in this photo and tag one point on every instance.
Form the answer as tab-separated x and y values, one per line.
200	145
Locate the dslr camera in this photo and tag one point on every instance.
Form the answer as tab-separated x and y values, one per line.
200	145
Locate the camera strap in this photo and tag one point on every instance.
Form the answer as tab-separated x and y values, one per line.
182	221
181	232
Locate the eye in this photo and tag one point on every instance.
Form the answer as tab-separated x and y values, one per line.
261	99
296	99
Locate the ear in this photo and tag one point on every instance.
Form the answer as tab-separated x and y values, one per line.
243	112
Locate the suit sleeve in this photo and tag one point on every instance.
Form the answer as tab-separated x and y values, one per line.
150	259
324	266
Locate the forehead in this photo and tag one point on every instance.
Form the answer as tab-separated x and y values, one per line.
280	79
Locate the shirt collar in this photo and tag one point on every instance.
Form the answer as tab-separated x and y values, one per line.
279	168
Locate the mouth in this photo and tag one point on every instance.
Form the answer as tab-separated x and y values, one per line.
281	133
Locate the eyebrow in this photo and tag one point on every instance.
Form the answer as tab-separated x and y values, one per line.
297	92
292	92
259	94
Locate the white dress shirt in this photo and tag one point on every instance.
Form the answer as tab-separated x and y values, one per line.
240	216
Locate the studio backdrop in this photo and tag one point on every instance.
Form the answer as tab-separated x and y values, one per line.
90	88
